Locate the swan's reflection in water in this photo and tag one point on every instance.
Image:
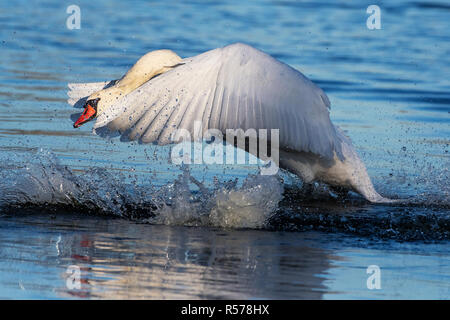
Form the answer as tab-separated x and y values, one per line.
122	260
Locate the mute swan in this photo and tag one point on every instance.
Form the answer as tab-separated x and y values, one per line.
233	87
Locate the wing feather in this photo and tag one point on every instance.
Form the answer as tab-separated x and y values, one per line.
235	87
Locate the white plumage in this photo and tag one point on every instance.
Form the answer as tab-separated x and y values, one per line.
235	87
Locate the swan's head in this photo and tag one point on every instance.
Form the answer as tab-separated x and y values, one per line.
97	103
89	113
147	67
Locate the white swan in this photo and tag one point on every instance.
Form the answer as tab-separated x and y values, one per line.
233	87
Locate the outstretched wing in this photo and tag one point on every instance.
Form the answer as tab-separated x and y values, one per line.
235	87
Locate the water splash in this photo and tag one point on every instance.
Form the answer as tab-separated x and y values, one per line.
247	206
41	184
41	181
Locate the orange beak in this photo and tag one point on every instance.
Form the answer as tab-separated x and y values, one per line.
88	113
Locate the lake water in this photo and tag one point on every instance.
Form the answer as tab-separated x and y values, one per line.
136	226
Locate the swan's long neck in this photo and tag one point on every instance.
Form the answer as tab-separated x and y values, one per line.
147	67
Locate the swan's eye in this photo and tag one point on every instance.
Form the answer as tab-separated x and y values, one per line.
89	113
93	103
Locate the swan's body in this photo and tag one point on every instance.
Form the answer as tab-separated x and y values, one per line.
235	87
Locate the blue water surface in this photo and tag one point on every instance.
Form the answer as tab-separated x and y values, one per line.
389	90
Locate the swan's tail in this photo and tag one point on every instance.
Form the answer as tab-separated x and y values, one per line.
78	92
358	177
362	183
369	192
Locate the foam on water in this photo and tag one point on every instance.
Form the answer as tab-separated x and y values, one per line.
42	180
247	206
39	182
